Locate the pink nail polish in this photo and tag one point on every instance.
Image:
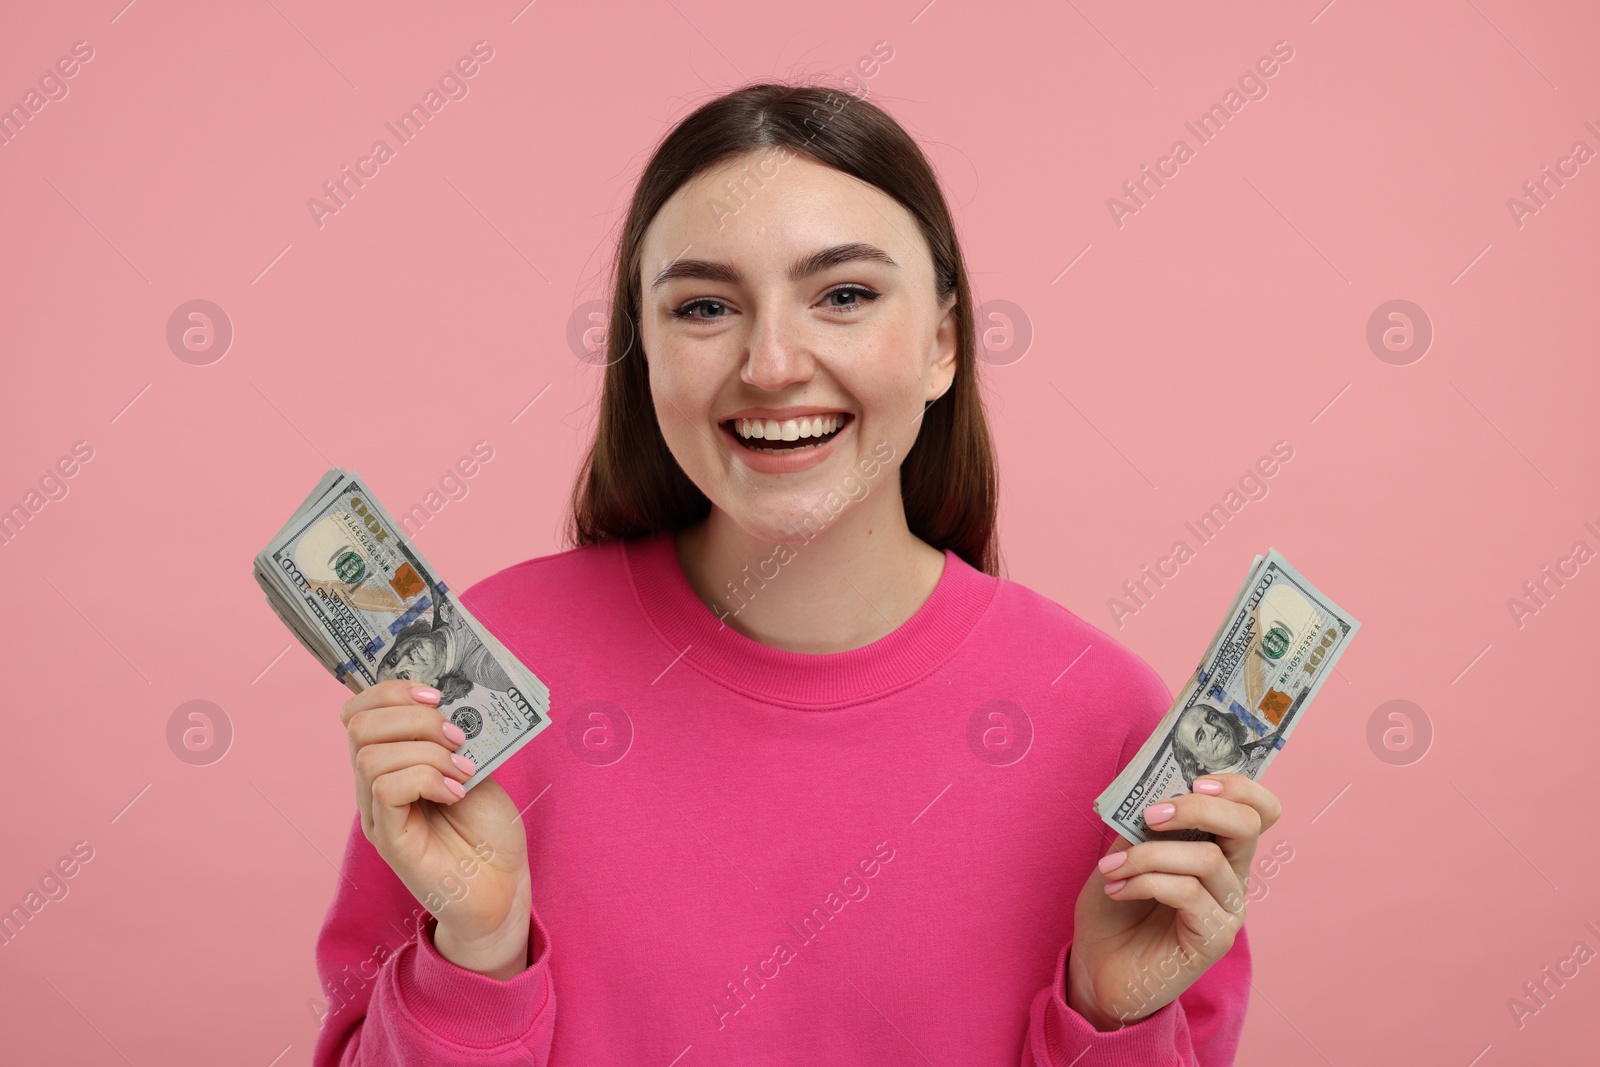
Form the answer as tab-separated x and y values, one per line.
1159	813
453	733
466	765
455	787
1111	861
1207	785
425	694
1112	887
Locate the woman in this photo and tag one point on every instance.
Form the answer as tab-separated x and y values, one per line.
784	586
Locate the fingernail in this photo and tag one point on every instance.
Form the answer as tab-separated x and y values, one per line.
1112	887
1111	861
1159	813
425	694
455	787
464	763
453	733
1207	785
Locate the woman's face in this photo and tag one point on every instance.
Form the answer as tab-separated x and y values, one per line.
808	302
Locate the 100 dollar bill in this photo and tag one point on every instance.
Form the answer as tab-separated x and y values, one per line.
1275	648
364	602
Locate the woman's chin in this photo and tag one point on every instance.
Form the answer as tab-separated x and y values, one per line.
792	523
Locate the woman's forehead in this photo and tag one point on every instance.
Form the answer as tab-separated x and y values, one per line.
731	214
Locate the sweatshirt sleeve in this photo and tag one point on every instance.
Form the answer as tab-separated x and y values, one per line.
393	1000
1201	1028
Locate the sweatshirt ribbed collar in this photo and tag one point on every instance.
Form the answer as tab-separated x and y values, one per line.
798	679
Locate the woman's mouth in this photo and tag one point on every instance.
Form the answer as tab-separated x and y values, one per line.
775	437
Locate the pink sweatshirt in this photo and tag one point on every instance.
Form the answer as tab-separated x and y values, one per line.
742	855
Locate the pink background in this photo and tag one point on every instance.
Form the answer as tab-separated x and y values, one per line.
1230	312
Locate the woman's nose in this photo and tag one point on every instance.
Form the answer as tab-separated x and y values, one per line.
778	356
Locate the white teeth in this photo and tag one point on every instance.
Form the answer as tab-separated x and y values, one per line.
788	430
819	425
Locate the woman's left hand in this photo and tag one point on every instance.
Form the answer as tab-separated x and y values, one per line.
1150	923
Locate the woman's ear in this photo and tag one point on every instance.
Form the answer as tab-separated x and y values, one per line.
946	347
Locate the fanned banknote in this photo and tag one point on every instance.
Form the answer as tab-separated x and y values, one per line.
361	599
1276	646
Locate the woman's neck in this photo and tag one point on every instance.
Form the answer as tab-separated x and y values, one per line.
855	581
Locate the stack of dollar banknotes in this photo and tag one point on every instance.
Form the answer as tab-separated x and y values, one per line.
362	600
1275	648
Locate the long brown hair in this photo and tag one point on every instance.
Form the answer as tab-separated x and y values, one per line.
630	485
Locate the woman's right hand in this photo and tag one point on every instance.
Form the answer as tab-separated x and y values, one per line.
464	858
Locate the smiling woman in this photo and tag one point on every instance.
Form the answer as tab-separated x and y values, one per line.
881	300
761	366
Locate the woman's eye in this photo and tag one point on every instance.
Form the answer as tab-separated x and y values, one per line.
851	296
865	296
687	310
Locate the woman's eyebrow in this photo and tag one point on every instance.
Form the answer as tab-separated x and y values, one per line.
815	263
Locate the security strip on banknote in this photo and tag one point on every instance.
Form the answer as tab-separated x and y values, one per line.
1275	648
362	600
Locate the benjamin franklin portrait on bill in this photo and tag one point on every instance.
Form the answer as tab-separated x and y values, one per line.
440	650
1208	740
